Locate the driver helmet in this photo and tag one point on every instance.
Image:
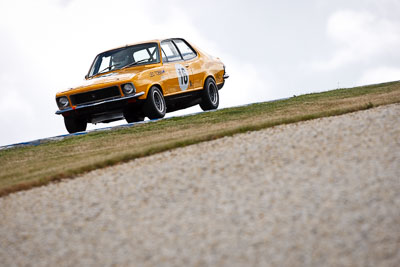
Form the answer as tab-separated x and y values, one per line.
120	59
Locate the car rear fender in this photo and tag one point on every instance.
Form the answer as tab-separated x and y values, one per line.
206	77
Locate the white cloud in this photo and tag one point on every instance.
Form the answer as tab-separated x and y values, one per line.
359	37
12	102
379	75
52	47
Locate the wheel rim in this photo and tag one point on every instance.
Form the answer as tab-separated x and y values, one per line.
213	93
158	101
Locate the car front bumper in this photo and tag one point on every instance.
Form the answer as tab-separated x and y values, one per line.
100	103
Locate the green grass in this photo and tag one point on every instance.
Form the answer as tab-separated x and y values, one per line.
25	167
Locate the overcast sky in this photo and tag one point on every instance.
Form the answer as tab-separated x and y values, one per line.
272	49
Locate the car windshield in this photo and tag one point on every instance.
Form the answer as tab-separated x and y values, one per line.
141	54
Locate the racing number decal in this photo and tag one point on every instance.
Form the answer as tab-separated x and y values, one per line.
183	76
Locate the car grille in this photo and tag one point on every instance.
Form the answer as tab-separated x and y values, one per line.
95	96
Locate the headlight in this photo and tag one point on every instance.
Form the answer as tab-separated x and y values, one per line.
62	102
128	89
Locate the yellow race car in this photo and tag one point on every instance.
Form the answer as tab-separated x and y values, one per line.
142	80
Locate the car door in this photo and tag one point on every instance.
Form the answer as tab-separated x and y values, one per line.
178	75
191	62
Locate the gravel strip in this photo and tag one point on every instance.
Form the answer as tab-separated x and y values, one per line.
318	193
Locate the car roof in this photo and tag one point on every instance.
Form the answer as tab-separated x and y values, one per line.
142	42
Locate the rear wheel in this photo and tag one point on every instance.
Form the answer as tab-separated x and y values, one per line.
75	124
210	97
155	107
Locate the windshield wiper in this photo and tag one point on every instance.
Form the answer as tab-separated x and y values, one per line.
109	67
134	63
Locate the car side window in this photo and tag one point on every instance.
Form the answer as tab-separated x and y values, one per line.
186	51
170	51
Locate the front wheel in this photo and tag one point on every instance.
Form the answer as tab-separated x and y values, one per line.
155	107
133	118
132	115
210	97
75	124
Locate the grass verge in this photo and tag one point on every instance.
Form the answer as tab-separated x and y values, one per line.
26	167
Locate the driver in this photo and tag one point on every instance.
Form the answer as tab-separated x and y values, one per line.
120	59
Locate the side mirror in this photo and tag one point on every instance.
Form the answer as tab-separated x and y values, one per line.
86	77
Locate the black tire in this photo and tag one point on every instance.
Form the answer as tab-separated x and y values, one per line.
75	124
210	96
133	117
155	107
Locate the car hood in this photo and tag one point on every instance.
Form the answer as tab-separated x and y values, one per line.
107	79
104	79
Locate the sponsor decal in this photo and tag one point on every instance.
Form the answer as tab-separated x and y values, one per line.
157	72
